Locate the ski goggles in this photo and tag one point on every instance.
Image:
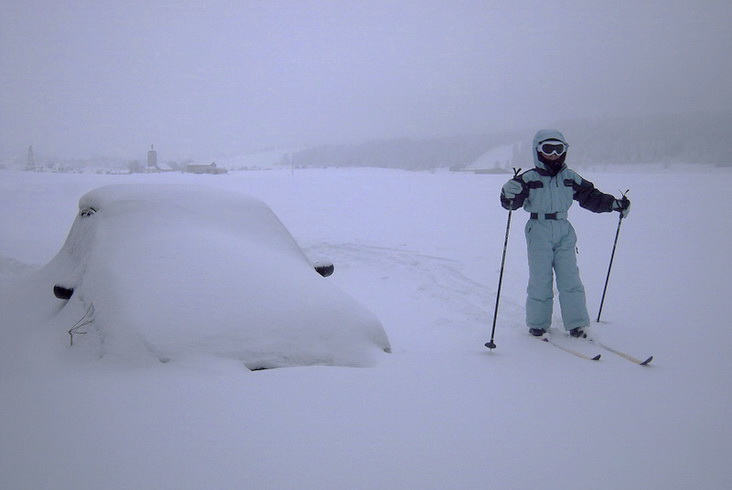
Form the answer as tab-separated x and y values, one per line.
552	147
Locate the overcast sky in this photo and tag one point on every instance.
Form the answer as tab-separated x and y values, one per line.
212	78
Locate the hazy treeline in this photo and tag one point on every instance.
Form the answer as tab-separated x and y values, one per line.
412	154
674	138
704	138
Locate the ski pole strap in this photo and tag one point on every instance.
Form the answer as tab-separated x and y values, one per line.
549	216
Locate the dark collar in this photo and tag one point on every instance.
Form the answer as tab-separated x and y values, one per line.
546	173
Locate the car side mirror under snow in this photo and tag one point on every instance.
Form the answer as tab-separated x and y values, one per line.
324	268
62	293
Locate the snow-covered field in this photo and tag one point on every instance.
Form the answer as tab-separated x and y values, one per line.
421	251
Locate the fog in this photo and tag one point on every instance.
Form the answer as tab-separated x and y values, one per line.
204	79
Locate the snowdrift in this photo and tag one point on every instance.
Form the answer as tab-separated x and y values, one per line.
166	271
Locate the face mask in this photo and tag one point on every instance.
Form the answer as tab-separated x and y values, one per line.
553	166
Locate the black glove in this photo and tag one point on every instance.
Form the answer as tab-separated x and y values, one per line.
622	206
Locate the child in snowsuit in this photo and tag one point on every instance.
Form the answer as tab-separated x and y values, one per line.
547	192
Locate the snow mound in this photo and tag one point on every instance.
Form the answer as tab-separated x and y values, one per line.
177	270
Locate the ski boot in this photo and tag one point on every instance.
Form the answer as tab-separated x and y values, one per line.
578	333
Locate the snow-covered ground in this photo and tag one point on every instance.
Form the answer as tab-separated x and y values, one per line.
422	252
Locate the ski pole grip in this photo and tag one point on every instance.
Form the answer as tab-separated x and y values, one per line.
624	198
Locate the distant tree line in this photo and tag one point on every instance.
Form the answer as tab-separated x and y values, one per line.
701	138
404	153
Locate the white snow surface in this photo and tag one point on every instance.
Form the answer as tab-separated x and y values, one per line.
421	251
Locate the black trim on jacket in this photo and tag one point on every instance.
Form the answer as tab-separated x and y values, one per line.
590	198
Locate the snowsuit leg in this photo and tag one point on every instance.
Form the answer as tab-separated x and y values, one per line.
551	248
540	291
572	301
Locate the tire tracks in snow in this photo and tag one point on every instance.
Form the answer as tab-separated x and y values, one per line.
434	284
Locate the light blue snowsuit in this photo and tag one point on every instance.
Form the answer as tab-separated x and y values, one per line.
551	239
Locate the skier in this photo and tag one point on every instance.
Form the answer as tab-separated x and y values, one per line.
546	191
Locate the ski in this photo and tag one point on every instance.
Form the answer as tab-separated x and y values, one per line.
622	354
571	351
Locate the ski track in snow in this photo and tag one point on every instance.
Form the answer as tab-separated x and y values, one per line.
10	267
440	282
439	278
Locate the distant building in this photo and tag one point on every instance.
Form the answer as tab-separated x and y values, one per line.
204	169
152	159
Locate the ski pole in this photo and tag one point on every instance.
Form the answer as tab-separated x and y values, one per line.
490	344
612	256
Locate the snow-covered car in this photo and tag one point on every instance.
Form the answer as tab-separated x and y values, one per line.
168	271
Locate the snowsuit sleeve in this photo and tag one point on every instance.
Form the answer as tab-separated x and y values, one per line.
589	197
